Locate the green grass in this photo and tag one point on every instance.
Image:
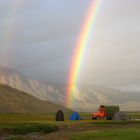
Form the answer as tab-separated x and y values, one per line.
28	128
118	134
45	117
135	115
17	138
25	128
24	117
14	118
14	125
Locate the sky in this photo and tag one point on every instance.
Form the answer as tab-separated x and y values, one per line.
37	38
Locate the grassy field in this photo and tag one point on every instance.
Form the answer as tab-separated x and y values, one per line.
25	127
119	134
134	115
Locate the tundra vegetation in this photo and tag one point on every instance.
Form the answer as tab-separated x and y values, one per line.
15	126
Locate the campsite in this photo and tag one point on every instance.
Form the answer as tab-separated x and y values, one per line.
69	69
45	127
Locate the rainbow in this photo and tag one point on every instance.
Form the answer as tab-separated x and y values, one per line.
82	43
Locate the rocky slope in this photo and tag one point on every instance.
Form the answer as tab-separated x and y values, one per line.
85	98
13	100
91	97
36	88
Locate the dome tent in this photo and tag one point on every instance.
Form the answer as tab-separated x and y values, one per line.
75	116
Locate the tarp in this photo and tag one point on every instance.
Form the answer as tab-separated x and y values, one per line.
75	116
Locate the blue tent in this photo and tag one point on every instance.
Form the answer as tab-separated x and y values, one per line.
74	116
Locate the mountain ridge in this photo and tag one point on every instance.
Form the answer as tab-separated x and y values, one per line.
84	98
16	101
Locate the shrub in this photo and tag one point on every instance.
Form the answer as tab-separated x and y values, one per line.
29	128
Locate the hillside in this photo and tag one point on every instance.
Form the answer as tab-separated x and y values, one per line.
39	89
13	100
85	97
90	97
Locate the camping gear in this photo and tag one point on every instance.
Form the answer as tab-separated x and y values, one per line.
75	116
121	116
59	115
105	112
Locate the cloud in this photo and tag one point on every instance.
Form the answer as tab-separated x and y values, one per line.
44	34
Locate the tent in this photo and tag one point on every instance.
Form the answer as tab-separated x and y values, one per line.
121	116
75	116
59	115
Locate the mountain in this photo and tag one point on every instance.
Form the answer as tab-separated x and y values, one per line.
41	90
84	98
129	88
13	100
91	96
